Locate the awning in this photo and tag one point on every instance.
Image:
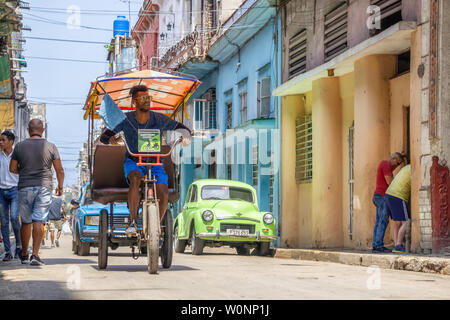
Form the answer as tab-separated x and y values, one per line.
7	114
395	40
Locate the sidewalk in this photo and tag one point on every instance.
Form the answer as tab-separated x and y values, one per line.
406	262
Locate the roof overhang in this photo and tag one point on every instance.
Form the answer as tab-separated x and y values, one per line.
198	67
245	22
395	40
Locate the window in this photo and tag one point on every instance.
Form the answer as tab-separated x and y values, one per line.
263	98
403	63
226	193
229	114
303	163
210	118
335	40
229	172
188	197
194	194
255	166
297	54
390	11
212	168
243	103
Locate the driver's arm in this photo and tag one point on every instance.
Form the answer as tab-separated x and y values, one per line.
106	136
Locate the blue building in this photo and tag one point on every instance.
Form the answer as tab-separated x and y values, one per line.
233	113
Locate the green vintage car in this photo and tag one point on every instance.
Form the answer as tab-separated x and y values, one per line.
223	213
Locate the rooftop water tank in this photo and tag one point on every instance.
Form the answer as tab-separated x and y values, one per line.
121	27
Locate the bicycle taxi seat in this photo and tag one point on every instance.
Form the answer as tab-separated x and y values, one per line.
108	181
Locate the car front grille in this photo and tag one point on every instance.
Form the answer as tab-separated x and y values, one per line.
249	227
120	220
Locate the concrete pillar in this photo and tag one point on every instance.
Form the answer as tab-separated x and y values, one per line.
327	163
416	138
372	138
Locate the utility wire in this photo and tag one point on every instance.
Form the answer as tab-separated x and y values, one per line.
61	59
67	40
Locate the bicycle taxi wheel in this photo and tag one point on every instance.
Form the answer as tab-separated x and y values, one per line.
151	216
166	251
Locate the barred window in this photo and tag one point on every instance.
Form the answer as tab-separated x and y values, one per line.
255	166
303	163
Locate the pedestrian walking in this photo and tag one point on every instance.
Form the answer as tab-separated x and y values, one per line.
384	179
56	215
9	210
397	199
33	159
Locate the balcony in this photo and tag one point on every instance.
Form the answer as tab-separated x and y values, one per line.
191	46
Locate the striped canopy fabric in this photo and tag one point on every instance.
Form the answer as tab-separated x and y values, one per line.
168	91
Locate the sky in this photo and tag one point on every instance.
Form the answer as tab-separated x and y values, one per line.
64	85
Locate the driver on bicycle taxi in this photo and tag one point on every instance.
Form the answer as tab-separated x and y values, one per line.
142	118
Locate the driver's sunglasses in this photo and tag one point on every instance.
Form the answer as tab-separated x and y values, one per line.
143	99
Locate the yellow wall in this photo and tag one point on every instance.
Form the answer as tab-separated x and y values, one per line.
400	100
295	198
317	214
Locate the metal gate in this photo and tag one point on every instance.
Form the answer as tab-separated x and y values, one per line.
350	179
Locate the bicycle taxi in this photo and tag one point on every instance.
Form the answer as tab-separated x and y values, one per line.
169	93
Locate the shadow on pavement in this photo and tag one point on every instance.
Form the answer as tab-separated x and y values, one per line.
142	268
53	261
33	290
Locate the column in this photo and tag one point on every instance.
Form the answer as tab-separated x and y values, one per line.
372	138
327	163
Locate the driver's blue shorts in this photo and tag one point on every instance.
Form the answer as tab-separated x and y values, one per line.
157	172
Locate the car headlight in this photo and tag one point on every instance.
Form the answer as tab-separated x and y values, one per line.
207	215
268	218
91	220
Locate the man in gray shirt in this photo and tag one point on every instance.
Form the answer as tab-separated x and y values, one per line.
33	159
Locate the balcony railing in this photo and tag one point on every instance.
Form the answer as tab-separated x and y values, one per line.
192	45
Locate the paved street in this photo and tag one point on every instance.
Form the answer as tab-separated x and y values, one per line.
218	274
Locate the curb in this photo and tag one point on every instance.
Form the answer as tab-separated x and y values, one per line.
424	264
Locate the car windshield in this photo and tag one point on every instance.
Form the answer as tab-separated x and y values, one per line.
226	193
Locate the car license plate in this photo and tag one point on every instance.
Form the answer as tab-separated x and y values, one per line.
237	232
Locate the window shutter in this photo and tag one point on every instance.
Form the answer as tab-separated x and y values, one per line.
265	97
336	31
258	99
390	11
297	54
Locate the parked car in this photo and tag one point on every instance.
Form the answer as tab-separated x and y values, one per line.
223	213
85	221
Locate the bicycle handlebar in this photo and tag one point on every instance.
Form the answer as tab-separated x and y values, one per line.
157	156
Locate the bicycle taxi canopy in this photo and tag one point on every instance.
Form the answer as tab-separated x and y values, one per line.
169	92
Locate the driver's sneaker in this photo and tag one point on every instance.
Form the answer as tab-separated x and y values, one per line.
24	259
132	229
36	261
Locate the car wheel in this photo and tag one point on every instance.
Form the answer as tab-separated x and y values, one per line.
178	245
197	244
84	248
243	251
77	250
263	248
